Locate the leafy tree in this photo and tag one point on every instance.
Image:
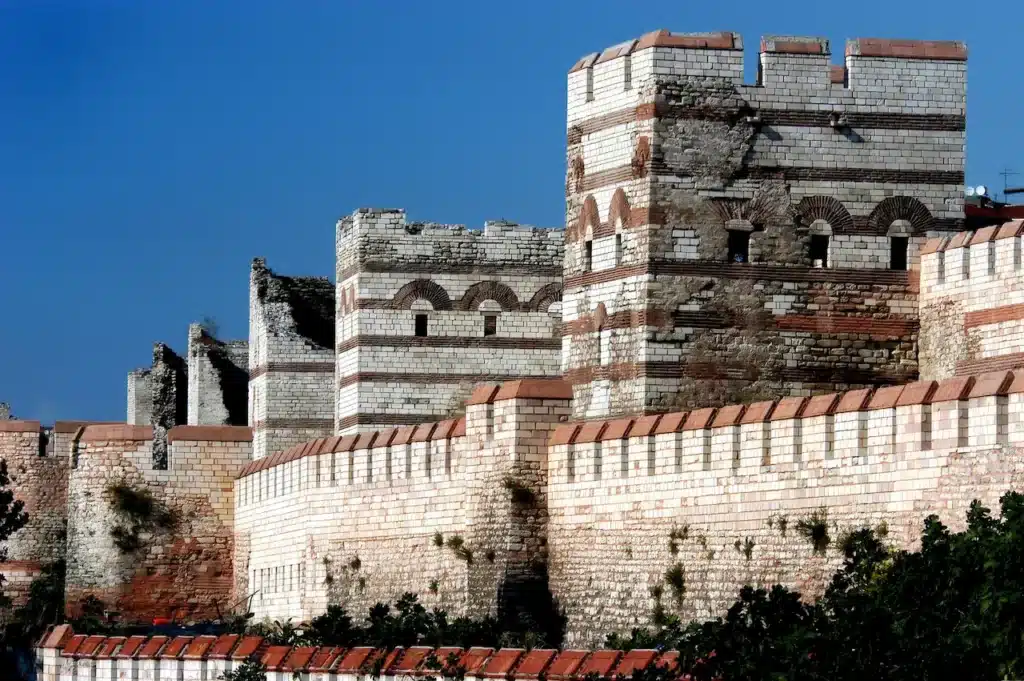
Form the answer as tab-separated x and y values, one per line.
12	519
250	670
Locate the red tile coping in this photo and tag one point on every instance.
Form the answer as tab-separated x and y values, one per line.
992	383
953	389
299	659
671	423
728	416
175	648
69	427
645	425
563	435
618	429
784	44
474	659
919	392
706	41
600	662
352	661
984	235
119	433
324	658
788	408
446	429
198	648
73	644
109	647
565	665
535	389
534	663
483	394
385	437
669	659
274	656
56	636
221	649
89	646
933	245
885	398
699	419
633	660
132	646
501	663
616	51
153	646
907	49
821	405
410	660
590	432
1010	229
958	240
854	400
442	654
1016	383
247	647
758	412
423	431
209	434
460	428
16	426
365	440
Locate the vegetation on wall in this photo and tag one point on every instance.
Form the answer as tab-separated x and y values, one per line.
138	514
12	519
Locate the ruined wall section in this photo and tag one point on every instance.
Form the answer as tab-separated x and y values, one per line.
38	477
487	302
819	171
291	359
162	545
140	398
218	380
972	302
429	509
684	509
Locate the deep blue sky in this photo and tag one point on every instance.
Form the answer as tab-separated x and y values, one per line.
150	149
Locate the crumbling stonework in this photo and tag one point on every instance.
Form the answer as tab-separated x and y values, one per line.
218	380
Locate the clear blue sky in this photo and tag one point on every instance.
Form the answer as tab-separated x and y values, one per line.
150	149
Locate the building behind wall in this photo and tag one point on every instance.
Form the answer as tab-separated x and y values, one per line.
728	241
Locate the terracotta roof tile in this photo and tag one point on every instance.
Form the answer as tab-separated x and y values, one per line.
423	432
633	660
130	647
273	657
645	425
365	440
475	658
958	240
564	434
591	431
671	423
352	661
176	647
444	430
885	398
483	394
728	416
410	660
460	428
600	662
853	400
534	663
299	658
151	647
535	389
324	657
198	648
699	419
89	645
618	429
246	647
758	412
992	383
1010	229
501	663
73	644
222	647
566	664
919	392
821	405
983	235
957	388
109	647
1017	383
789	408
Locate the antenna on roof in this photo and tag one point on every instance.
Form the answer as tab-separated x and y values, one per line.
1007	173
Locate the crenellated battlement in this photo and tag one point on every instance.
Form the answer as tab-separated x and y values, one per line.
889	75
953	263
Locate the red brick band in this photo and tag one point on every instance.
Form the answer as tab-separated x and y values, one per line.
210	434
907	49
994	315
718	371
427	379
493	342
292	367
294	424
998	363
370	419
429	266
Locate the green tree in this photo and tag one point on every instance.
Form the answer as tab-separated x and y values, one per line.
12	519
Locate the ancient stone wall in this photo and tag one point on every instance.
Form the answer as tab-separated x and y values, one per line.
153	542
428	311
38	477
140	398
291	359
218	380
684	509
972	302
824	181
451	511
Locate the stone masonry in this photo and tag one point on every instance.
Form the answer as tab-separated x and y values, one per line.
823	181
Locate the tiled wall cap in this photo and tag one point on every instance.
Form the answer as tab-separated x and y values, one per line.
983	235
758	412
728	416
600	662
404	435
474	659
535	389
906	49
247	647
565	665
119	433
324	658
821	405
273	657
483	394
953	389
958	240
885	398
197	650
501	663
221	649
346	443
175	648
364	440
853	400
616	51
352	661
299	659
564	434
152	647
590	432
1010	229
585	62
423	431
619	429
444	430
534	663
1017	383
933	245
460	428
992	383
56	636
785	44
110	646
671	423
68	427
788	408
410	660
209	434
837	74
89	646
16	426
723	40
645	425
919	392
633	660
699	419
131	647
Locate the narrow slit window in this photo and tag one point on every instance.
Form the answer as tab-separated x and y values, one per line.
898	252
819	250
490	325
618	249
588	255
739	246
421	325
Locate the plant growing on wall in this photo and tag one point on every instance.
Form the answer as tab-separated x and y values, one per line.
250	670
12	519
137	513
438	539
458	546
675	577
814	528
746	547
355	563
676	536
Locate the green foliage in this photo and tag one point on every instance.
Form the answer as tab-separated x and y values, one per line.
675	577
458	546
745	547
433	588
676	536
45	606
952	610
138	512
355	563
814	529
438	539
490	555
12	519
250	670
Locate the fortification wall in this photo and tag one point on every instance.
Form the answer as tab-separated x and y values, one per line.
717	495
291	359
354	520
218	380
153	542
826	180
65	655
140	398
38	477
972	302
426	312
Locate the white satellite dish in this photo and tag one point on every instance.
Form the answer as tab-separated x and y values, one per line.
981	190
969	191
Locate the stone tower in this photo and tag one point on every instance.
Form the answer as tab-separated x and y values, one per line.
729	242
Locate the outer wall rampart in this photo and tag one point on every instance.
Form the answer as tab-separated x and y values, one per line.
356	520
720	493
179	568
